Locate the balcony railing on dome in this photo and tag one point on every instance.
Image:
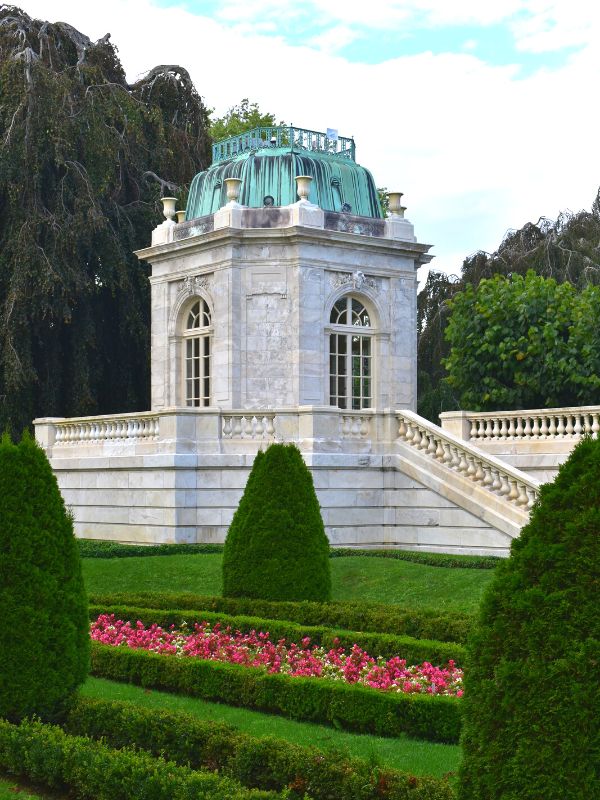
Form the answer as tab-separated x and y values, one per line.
297	139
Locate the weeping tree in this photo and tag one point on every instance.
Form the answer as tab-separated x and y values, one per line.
565	249
84	159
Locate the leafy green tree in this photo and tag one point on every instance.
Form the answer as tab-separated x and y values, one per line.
276	546
82	153
532	693
239	119
565	249
44	626
524	342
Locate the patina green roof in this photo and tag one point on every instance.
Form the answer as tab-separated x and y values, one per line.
268	159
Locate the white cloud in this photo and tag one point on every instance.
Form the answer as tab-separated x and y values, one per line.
475	148
334	39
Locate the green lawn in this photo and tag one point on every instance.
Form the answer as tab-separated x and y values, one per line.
10	788
412	755
354	578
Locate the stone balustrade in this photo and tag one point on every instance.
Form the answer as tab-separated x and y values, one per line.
355	425
100	429
524	425
245	425
488	472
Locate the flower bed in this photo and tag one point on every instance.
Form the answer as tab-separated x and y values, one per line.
256	650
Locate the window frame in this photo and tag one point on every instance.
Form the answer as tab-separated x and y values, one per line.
351	389
196	354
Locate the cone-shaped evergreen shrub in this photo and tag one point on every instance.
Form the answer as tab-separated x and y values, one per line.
532	680
276	547
44	627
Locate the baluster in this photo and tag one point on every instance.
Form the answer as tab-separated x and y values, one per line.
513	494
577	428
416	437
462	464
511	428
496	429
569	429
527	428
439	450
479	473
543	427
587	423
519	428
447	458
432	449
522	498
237	427
552	427
487	475
560	428
156	427
470	468
227	427
595	424
489	429
504	428
424	443
365	424
402	429
504	484
346	426
260	428
455	464
270	425
531	497
496	483
535	429
356	427
474	429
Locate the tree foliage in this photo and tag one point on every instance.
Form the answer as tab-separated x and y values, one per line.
530	726
82	155
565	250
276	546
240	118
44	627
524	342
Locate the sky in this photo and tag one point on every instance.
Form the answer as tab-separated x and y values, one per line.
483	112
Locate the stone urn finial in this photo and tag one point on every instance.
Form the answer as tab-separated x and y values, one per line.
233	189
395	204
303	186
169	207
180	215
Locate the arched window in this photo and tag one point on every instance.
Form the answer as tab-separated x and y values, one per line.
196	344
350	355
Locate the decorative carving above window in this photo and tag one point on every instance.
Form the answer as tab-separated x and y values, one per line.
194	284
357	279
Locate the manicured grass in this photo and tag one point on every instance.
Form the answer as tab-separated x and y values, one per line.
10	788
353	578
412	755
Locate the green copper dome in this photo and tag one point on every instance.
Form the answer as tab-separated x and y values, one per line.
267	160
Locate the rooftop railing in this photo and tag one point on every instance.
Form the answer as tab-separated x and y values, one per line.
297	139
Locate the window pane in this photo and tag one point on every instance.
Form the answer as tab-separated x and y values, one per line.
339	312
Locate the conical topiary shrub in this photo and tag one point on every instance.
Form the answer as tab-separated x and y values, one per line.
532	678
276	547
44	626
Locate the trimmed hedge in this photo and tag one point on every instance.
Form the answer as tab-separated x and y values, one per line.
376	644
451	561
356	708
93	771
352	616
532	691
264	763
276	547
44	630
94	548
